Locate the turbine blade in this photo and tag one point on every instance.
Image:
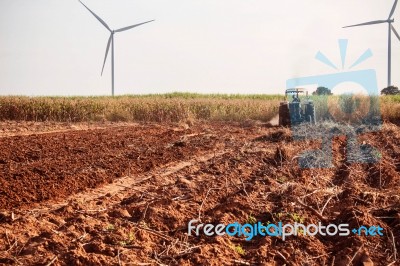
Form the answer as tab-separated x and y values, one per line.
98	18
133	26
367	23
393	9
105	57
395	32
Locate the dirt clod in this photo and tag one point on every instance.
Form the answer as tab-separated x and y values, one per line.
124	195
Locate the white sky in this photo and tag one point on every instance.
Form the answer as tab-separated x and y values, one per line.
222	46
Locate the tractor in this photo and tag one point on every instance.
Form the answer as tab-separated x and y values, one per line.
298	110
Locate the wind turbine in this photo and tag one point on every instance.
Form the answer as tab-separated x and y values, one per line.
111	41
389	21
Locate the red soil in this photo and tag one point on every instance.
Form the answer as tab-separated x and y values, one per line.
156	178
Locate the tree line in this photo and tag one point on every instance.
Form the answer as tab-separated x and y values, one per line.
391	90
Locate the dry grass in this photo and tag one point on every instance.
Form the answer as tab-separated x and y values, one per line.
347	108
174	107
390	108
151	108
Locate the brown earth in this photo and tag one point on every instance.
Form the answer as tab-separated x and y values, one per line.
123	194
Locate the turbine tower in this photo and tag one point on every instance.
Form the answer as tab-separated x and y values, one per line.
111	41
389	21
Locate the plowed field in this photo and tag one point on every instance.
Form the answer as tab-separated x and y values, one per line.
123	194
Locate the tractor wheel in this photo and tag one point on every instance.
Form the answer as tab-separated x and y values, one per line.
313	119
284	114
310	119
310	113
312	116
